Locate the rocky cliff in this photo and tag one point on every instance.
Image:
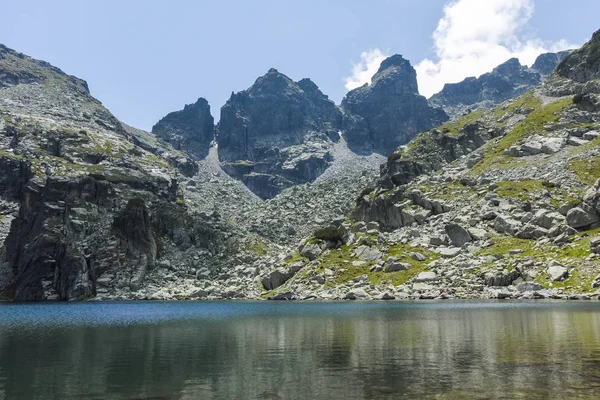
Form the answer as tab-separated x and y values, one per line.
507	81
190	130
277	133
389	111
83	206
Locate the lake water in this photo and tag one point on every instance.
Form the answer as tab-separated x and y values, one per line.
288	350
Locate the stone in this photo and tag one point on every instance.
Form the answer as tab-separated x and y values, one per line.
557	272
458	235
368	253
311	251
417	256
529	287
392	264
505	224
357	294
478	233
386	296
591	135
578	218
553	145
428	276
449	252
275	279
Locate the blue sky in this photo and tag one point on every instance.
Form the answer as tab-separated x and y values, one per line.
143	59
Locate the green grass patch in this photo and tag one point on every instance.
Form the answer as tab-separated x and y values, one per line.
257	246
586	169
574	255
340	262
454	128
521	190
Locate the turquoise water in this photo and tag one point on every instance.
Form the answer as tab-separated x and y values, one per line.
288	350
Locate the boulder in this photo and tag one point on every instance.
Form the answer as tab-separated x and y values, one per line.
557	272
311	251
428	276
393	265
505	224
368	253
357	294
529	287
578	218
458	235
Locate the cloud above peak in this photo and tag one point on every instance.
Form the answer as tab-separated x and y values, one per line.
471	38
474	36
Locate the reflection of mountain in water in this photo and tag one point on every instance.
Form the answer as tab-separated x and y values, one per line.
314	351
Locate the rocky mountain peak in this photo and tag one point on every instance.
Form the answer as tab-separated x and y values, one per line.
190	130
546	63
389	112
400	72
277	133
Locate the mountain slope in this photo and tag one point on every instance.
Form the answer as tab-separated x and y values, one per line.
82	202
501	203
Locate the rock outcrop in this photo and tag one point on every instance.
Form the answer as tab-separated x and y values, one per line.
507	81
277	133
190	130
583	64
388	112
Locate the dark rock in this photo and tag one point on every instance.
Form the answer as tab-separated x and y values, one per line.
583	64
546	63
458	235
389	111
133	227
284	296
190	130
277	133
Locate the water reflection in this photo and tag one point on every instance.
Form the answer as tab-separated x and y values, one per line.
300	351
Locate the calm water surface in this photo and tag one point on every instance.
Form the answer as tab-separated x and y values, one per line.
266	350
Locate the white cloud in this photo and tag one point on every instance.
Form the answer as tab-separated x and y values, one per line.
474	36
365	69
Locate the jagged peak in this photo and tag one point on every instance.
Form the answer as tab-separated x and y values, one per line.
394	61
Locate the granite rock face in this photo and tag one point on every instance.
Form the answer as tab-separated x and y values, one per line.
583	65
190	130
389	111
507	81
277	133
